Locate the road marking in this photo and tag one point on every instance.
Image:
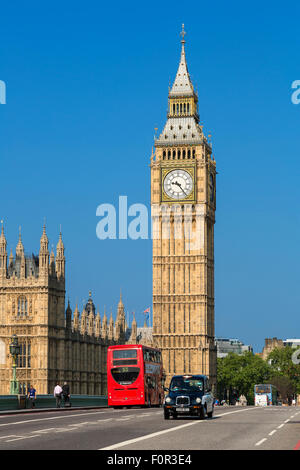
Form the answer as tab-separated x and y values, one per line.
44	430
278	427
20	438
51	418
261	441
272	432
165	431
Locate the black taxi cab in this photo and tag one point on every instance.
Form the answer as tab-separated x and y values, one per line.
189	395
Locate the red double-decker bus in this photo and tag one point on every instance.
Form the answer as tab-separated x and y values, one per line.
134	376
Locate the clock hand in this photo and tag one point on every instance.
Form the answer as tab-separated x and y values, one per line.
178	184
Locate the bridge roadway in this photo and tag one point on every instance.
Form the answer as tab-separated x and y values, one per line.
270	428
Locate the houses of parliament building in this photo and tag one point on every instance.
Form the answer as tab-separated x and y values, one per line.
56	345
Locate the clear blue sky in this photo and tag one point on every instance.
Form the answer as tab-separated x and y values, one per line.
87	83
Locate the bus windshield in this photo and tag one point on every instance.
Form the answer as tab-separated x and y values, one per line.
125	375
263	388
186	384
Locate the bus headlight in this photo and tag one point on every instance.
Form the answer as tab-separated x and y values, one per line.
198	400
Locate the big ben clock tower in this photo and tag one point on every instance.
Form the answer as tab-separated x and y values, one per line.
183	202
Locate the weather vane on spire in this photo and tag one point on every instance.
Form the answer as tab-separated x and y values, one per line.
183	33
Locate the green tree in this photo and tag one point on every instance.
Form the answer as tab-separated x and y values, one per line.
241	372
281	364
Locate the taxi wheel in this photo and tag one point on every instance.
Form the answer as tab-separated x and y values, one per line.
202	412
166	415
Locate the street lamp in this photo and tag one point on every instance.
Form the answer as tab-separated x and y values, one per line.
14	349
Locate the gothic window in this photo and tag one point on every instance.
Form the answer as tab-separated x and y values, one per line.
188	108
178	154
184	108
24	358
194	153
183	154
22	306
164	154
177	108
180	108
174	108
189	154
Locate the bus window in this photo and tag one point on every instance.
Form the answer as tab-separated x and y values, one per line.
125	375
124	353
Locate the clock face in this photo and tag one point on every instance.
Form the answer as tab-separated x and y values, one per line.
178	184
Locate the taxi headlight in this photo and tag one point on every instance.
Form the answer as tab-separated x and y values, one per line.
198	400
168	399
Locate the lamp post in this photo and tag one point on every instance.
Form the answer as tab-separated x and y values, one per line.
14	349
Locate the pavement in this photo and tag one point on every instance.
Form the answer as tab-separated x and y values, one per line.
140	429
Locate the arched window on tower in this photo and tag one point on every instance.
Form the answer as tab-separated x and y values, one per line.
188	108
177	108
184	108
180	108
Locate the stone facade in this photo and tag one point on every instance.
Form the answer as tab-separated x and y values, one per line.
270	345
183	212
56	345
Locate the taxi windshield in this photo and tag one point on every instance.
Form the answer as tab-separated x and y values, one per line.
188	384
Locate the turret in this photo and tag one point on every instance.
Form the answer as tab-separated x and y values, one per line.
83	322
98	325
44	254
111	328
60	258
69	317
52	263
3	254
133	336
76	319
91	321
120	322
104	326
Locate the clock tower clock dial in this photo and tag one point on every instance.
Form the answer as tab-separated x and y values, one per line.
178	184
183	192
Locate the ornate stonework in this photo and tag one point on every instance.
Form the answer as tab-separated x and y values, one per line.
183	175
56	345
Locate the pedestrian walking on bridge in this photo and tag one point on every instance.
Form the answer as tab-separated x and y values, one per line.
66	394
57	394
31	396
